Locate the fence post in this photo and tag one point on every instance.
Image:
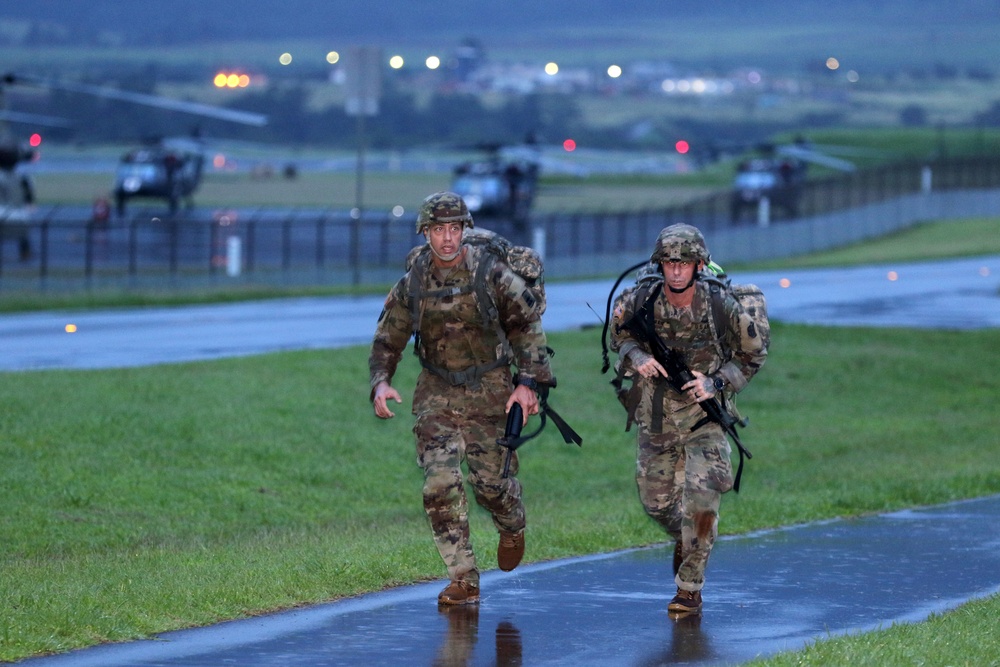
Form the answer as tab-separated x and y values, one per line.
174	249
321	241
764	212
43	251
213	243
286	244
355	246
133	250
925	179
251	240
88	251
234	257
538	241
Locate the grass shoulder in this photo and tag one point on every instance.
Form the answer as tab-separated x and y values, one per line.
178	495
942	239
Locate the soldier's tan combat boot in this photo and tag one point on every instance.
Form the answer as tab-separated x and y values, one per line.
459	592
510	551
685	602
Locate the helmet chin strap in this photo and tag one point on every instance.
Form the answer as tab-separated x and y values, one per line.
681	290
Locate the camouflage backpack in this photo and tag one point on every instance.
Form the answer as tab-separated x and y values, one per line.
489	247
749	296
649	282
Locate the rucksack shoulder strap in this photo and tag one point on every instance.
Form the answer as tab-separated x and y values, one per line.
419	264
486	259
414	289
719	320
645	299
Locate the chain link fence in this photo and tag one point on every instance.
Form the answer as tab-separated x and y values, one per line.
62	249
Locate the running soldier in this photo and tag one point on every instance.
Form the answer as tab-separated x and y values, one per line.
466	348
683	465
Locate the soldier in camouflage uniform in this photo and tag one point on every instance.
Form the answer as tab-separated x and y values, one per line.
682	474
465	387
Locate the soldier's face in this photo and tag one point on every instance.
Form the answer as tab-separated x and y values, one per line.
678	275
445	240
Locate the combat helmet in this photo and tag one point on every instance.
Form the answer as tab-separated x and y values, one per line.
443	207
680	243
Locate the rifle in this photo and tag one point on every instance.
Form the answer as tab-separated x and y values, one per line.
512	438
640	325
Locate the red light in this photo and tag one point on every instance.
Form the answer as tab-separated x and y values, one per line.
682	147
35	140
569	145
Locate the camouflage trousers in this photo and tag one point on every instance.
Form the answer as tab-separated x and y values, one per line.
444	439
681	476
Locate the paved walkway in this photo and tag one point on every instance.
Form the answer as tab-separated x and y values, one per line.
958	294
768	592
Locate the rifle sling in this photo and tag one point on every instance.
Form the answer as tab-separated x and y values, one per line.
659	389
658	394
545	412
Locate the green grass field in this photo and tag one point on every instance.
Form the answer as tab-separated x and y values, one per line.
383	191
142	500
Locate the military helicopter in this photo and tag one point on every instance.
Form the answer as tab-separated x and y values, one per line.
17	196
17	189
502	184
776	174
169	170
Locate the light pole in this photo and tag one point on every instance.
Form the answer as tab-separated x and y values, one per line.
363	84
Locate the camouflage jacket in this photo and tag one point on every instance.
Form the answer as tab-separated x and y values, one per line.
688	330
454	338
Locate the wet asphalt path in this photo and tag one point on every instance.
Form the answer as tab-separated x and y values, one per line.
960	294
767	592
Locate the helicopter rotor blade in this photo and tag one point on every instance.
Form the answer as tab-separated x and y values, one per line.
818	158
231	115
33	119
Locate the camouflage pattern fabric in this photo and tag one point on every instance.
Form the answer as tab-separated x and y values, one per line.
443	207
451	329
681	475
444	439
522	260
679	243
456	423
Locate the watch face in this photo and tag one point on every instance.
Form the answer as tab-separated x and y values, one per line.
719	384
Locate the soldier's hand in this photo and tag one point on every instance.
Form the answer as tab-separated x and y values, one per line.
650	367
528	400
701	388
384	392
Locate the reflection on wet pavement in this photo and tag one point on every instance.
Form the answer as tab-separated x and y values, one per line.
955	294
769	592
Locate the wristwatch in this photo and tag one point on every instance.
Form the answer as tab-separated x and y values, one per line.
718	382
530	383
